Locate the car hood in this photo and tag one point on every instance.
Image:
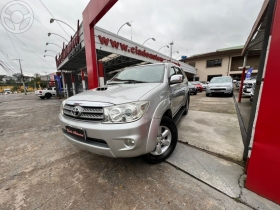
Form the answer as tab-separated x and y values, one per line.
116	94
219	84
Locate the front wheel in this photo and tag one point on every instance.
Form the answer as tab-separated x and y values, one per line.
165	143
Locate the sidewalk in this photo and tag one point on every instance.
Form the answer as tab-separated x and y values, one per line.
222	175
212	125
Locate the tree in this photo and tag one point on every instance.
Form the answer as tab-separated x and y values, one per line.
10	81
15	88
1	77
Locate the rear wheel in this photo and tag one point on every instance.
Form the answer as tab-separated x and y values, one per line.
48	95
42	97
166	141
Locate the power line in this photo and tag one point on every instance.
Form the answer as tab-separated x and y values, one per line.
53	17
7	55
33	51
11	41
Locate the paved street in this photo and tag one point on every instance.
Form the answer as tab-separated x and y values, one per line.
40	170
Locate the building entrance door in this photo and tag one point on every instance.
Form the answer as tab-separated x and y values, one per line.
209	77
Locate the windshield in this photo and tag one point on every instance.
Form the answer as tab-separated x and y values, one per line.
142	74
220	79
195	83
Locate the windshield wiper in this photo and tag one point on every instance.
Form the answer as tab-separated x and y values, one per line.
134	81
125	81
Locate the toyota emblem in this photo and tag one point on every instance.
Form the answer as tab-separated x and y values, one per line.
76	111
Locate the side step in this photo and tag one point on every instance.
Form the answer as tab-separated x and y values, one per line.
178	115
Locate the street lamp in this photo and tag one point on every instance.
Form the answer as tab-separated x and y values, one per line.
149	39
51	51
53	44
49	55
52	20
163	46
127	23
49	34
175	51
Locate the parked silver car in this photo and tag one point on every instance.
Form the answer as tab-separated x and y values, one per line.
135	114
220	85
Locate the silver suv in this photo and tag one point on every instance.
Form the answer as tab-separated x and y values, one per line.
220	85
134	114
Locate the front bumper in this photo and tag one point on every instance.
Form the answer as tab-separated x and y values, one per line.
192	90
246	92
225	90
143	132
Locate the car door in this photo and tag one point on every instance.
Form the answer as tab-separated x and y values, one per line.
182	88
174	92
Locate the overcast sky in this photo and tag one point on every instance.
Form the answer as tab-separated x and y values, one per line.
195	26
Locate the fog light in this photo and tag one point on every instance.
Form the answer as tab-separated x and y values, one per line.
129	142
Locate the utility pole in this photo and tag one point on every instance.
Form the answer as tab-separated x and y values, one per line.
171	51
22	78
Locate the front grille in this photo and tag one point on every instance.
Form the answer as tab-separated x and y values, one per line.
86	113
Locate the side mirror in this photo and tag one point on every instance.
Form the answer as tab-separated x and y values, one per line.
234	81
176	79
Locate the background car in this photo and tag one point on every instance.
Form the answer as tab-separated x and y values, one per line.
192	88
220	85
248	84
198	86
204	84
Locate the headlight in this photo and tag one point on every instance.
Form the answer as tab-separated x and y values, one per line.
61	107
125	113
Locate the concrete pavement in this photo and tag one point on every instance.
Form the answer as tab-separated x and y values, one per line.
41	170
212	125
223	175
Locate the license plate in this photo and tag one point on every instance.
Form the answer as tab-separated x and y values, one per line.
78	132
217	91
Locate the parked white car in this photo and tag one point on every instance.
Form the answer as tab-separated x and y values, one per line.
247	86
46	93
220	85
7	91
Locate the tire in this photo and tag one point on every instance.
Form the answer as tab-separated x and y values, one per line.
231	94
48	95
207	94
42	97
186	107
168	125
195	93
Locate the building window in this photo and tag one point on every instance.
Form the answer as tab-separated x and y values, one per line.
213	63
